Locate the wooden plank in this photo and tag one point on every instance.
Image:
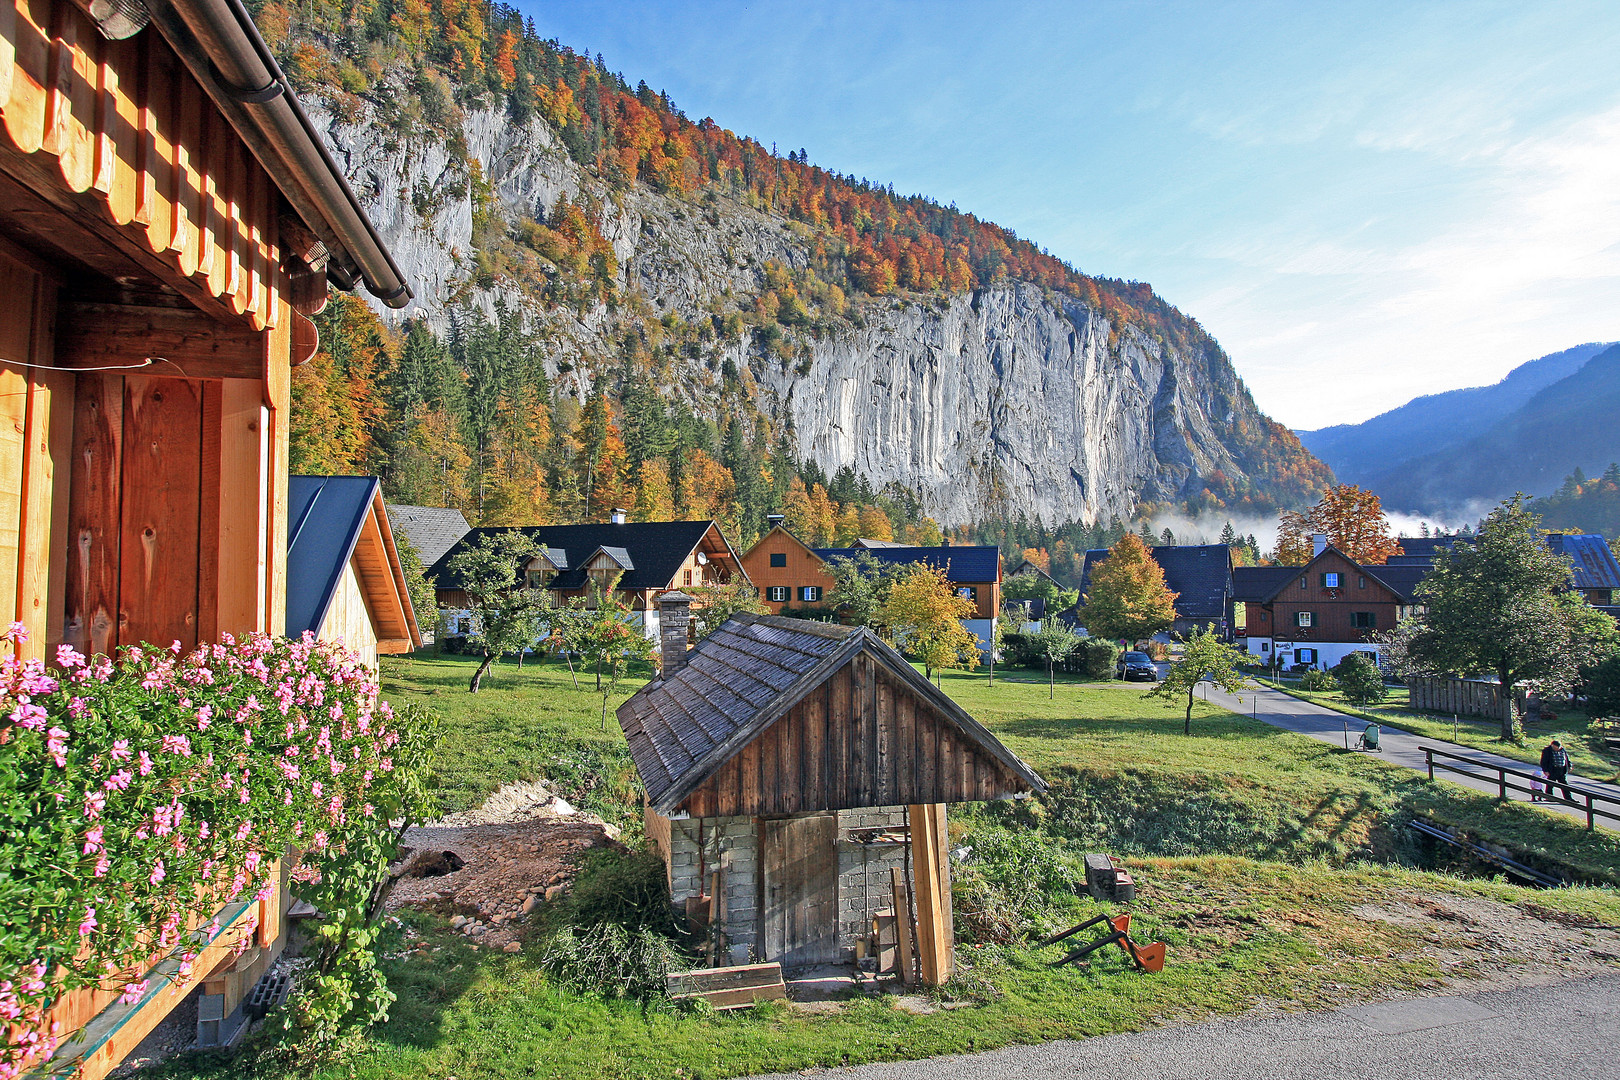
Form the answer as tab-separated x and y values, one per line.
208	510
155	204
815	749
942	860
70	101
243	520
748	769
933	899
212	262
742	998
770	775
927	753
884	728
8	50
185	341
835	758
723	978
278	396
158	538
44	448
905	746
24	107
902	907
188	177
93	508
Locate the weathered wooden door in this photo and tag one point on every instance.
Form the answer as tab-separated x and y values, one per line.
798	858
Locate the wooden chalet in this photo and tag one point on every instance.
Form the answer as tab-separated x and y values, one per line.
1317	614
344	580
790	766
646	558
791	575
169	220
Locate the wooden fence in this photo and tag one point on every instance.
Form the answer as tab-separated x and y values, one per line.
1462	697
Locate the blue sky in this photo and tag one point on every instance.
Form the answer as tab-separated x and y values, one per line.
1362	202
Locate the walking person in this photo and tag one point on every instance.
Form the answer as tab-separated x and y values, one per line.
1555	763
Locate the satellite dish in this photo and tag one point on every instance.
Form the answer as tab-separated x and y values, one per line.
703	558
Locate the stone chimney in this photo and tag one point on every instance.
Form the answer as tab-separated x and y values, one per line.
1318	544
674	613
773	520
619	515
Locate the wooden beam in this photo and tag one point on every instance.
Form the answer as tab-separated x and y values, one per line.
902	922
934	943
181	341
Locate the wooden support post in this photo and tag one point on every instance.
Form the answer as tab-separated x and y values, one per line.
717	917
934	944
902	922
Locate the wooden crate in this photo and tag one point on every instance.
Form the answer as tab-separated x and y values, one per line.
729	987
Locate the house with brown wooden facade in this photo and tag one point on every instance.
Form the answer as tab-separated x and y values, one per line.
169	221
792	576
644	558
1319	613
796	775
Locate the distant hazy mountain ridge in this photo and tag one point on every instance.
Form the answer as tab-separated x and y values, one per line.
1451	453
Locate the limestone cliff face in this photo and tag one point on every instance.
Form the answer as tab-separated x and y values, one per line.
1002	400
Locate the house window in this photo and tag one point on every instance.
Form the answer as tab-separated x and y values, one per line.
1302	583
686	579
1265	616
777	594
1265	646
778	558
1364	620
1361	582
537	579
1304	656
810	594
1330	581
968	592
1304	618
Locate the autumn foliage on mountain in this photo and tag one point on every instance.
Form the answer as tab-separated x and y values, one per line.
494	442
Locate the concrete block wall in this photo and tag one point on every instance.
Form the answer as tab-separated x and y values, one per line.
864	881
697	847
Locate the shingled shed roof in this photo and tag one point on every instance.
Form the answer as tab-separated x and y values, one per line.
751	673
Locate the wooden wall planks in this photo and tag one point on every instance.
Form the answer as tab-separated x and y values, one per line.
863	738
130	127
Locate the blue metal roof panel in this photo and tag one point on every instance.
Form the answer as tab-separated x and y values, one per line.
964	564
325	515
1594	562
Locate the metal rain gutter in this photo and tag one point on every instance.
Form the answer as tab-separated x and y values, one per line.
222	46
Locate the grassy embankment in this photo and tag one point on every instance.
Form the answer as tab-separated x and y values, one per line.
1588	755
1242	929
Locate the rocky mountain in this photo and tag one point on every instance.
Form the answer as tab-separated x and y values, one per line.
928	351
1361	453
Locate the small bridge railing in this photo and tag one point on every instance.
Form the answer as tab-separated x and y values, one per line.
1594	804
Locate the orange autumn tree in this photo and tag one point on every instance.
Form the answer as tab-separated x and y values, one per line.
1353	521
1128	597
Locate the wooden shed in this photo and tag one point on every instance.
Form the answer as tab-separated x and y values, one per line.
169	220
805	761
344	580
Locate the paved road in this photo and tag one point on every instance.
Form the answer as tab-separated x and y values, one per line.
1400	748
1569	1030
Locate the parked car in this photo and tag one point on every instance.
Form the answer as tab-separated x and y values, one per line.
1137	665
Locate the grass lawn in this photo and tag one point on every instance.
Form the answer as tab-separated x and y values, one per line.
1279	928
1588	755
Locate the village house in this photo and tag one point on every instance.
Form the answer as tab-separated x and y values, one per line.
645	558
344	581
1199	574
169	222
1317	614
793	770
792	576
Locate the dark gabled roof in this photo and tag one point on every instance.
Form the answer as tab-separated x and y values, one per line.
962	564
744	677
1261	584
1199	574
327	527
1258	584
657	548
1027	567
1400	580
1033	608
1595	566
432	530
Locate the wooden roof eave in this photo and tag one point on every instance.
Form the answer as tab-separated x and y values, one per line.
401	588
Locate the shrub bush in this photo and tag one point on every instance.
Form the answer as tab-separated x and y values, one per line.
1317	681
1095	658
612	960
1601	687
1359	679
